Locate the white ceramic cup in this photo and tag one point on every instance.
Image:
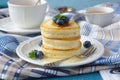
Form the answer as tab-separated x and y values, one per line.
25	14
101	16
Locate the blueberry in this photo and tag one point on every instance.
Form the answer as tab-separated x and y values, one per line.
39	54
60	22
54	19
87	44
61	19
40	43
34	54
66	20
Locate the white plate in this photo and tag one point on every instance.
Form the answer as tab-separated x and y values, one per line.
8	26
25	47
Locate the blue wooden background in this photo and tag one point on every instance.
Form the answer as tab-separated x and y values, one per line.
77	4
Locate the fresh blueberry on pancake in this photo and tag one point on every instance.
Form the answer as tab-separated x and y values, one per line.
61	19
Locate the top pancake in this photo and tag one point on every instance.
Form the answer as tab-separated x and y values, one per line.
71	30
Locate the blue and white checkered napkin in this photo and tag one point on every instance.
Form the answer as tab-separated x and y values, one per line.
12	67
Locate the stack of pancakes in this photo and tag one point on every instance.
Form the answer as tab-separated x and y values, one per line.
60	41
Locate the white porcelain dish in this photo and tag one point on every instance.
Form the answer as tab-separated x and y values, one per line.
25	47
8	26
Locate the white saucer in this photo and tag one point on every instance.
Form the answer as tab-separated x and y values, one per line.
8	26
25	47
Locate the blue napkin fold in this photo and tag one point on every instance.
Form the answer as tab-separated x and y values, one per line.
8	44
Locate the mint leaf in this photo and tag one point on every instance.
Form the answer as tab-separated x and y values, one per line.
32	54
59	16
63	17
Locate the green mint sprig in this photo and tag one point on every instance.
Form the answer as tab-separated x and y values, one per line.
59	16
32	54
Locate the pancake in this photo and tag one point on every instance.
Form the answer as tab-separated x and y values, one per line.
51	30
63	44
60	54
